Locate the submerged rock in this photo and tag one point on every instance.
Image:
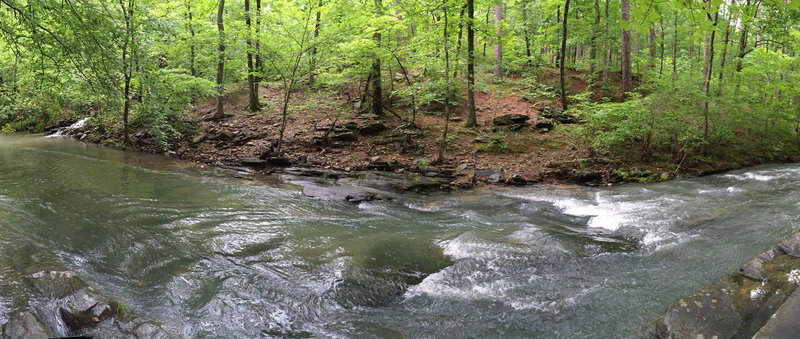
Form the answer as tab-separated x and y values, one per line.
24	325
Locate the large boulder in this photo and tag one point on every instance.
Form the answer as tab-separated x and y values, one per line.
510	119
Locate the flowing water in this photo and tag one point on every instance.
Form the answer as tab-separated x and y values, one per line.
213	256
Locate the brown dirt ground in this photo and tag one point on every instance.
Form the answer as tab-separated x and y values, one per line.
526	153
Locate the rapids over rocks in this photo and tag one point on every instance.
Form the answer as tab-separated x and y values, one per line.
207	255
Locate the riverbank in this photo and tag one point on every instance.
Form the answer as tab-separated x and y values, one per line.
521	139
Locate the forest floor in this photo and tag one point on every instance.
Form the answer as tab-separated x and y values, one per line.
332	130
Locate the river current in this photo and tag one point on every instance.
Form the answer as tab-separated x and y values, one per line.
208	255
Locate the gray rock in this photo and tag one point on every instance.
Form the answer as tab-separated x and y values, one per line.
462	167
372	128
24	325
338	192
57	284
344	136
791	246
752	269
557	114
784	323
544	123
705	314
510	119
252	162
486	173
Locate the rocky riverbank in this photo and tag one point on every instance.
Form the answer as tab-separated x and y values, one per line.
761	300
53	301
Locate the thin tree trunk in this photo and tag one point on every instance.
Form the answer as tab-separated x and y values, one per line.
498	46
259	61
606	47
563	54
675	48
443	142
651	48
593	39
662	45
192	51
724	57
220	59
525	32
472	120
708	68
312	72
252	96
377	89
127	65
627	76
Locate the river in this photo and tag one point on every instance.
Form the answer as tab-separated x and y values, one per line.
213	256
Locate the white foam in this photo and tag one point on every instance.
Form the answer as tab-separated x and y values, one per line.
64	131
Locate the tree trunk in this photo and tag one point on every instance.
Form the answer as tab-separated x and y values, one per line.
651	48
312	72
443	141
259	62
708	68
724	57
525	32
192	51
606	48
675	48
563	54
472	120
377	89
220	59
627	76
498	46
127	64
593	39
252	88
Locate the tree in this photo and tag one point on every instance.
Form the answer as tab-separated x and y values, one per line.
563	54
498	45
220	112
252	86
627	75
472	120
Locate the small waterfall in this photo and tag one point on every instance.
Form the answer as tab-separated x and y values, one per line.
65	131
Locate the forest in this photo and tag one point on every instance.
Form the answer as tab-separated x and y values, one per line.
659	84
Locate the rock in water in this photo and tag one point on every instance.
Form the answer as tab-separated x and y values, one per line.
510	119
706	314
24	325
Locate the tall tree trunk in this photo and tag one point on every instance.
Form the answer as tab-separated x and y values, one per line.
377	89
651	48
709	64
724	57
593	39
525	32
312	72
675	48
443	141
662	45
259	61
627	76
606	47
498	46
563	54
472	120
252	88
220	59
127	64
192	49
